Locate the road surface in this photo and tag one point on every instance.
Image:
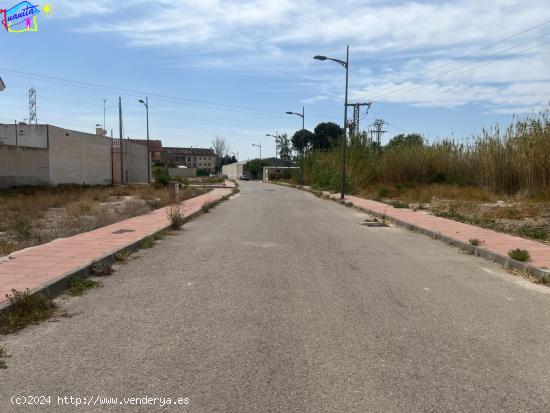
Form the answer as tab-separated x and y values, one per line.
279	301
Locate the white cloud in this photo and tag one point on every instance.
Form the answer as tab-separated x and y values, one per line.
403	44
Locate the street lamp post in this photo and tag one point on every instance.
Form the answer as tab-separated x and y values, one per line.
345	140
276	136
2	85
146	103
303	116
259	146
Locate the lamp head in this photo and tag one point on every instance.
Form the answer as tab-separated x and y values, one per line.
320	57
141	101
290	113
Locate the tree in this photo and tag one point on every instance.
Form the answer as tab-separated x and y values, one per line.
303	135
326	135
221	148
228	159
255	168
411	139
285	149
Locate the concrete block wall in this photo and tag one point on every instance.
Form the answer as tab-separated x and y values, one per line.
183	172
78	157
23	166
32	136
135	158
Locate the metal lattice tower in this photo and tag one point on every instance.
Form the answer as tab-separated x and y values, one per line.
378	129
32	106
354	125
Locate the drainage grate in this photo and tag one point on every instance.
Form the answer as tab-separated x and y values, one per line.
374	224
123	231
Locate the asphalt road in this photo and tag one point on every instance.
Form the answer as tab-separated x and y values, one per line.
278	301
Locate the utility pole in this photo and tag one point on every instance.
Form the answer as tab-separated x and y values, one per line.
378	130
32	106
104	112
120	140
303	116
354	125
146	103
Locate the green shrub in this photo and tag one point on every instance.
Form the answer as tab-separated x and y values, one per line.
23	230
475	242
79	285
519	255
399	204
147	242
25	309
176	217
533	232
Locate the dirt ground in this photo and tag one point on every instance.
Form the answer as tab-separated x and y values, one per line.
35	215
527	216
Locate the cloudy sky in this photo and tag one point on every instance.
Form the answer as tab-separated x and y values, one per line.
232	68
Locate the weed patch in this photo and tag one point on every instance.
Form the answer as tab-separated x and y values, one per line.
101	270
399	204
207	206
475	242
79	285
122	256
519	255
147	242
176	217
25	309
3	356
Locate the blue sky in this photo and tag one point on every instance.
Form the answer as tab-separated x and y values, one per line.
232	68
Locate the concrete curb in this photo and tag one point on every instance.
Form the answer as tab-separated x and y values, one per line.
59	285
540	274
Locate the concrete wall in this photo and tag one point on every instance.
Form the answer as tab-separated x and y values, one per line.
183	172
135	158
34	136
77	157
234	170
23	166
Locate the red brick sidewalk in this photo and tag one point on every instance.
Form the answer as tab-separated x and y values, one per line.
36	267
492	241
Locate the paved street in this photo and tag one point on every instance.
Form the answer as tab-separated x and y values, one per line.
280	301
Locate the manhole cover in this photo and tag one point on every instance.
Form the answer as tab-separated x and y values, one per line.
373	224
123	231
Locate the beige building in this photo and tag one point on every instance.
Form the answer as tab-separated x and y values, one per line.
199	158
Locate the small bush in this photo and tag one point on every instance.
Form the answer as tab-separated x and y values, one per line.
383	192
207	206
3	355
475	242
101	270
23	230
176	217
122	256
399	204
25	309
532	232
80	285
147	242
153	203
519	255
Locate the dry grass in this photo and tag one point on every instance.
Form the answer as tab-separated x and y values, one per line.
35	215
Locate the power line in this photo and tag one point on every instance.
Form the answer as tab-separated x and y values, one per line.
529	29
445	74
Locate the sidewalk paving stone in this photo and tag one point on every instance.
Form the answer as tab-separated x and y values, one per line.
37	266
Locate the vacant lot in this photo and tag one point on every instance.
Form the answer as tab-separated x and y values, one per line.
36	215
526	216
